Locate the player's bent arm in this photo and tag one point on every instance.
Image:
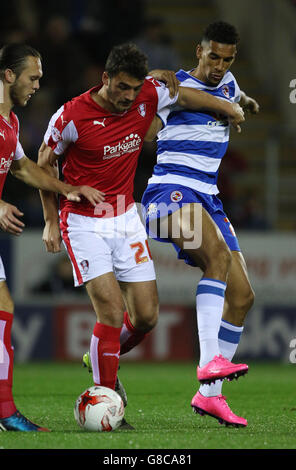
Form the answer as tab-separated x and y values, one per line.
48	161
51	233
30	173
196	99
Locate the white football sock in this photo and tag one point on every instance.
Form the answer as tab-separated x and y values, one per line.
209	308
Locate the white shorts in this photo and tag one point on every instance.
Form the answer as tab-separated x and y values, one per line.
100	245
2	271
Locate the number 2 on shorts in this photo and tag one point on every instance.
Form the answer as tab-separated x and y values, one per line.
139	258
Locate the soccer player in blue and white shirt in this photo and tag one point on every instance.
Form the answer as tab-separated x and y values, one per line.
191	146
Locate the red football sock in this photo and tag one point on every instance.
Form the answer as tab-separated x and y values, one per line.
7	406
104	353
130	336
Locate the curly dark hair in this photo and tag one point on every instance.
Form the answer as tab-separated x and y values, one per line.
127	58
222	32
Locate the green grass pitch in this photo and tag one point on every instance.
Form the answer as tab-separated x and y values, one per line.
159	398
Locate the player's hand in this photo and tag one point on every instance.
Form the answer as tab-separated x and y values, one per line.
169	78
236	116
9	221
251	106
94	196
52	237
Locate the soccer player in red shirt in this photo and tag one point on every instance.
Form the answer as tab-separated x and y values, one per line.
20	72
100	134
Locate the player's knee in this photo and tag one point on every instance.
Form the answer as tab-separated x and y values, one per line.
112	316
110	313
8	306
148	318
151	320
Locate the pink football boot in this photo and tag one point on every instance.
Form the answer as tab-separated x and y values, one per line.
220	368
217	408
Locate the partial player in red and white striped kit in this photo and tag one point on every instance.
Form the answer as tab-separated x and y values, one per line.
20	72
100	134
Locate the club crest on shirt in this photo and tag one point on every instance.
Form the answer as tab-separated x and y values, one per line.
225	91
142	109
56	135
176	196
84	265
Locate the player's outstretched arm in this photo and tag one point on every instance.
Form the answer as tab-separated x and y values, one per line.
196	100
32	174
191	98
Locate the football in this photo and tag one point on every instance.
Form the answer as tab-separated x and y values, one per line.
99	409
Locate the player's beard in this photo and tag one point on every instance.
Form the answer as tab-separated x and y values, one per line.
15	95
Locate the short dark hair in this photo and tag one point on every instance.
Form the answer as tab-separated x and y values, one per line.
13	56
127	58
222	32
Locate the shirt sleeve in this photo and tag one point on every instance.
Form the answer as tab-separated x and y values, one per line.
164	100
163	115
163	94
61	132
237	92
19	152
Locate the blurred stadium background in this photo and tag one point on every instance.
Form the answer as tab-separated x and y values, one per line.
257	182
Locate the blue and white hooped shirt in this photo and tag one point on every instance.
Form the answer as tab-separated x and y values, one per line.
192	144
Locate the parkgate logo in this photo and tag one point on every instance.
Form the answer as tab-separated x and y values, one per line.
130	144
293	92
5	163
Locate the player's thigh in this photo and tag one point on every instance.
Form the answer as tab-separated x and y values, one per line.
239	295
141	299
90	254
193	230
6	302
131	254
107	300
